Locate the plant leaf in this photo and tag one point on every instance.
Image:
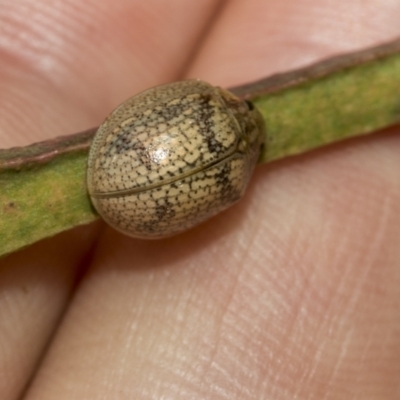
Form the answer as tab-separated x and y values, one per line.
43	186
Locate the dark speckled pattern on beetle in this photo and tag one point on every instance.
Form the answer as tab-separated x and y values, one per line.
171	157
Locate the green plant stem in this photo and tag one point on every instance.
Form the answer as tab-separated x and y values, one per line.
43	186
332	100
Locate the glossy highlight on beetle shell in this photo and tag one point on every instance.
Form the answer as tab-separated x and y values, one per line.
171	157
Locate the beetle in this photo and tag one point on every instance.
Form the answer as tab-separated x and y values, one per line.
171	157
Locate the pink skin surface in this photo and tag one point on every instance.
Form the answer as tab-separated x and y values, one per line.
291	294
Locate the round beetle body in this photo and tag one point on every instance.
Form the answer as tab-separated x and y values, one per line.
171	157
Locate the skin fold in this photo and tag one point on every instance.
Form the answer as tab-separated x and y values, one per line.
291	294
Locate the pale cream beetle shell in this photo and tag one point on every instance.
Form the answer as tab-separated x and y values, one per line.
171	157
